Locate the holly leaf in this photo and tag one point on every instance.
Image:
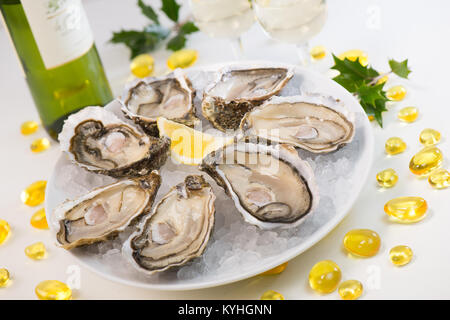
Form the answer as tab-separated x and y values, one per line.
177	43
353	69
400	68
171	8
370	94
148	11
188	28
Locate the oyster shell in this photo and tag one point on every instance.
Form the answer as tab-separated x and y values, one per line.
270	185
98	141
312	122
178	229
237	90
171	97
103	212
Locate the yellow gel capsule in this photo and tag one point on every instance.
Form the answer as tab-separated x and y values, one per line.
272	295
34	194
426	160
53	290
429	137
383	80
325	276
371	118
354	54
400	255
40	145
318	52
396	93
276	270
387	178
4	277
142	65
394	145
362	242
39	220
408	114
182	59
5	230
29	127
406	209
36	251
350	290
439	179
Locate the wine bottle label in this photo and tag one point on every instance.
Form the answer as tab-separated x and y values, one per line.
60	28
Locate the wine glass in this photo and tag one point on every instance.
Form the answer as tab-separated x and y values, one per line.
224	19
292	21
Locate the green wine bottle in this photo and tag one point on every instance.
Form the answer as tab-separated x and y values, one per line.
56	49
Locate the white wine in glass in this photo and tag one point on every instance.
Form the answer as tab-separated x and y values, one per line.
292	21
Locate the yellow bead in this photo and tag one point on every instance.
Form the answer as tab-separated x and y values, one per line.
408	114
406	209
325	276
354	54
29	127
426	160
439	179
383	80
276	270
400	255
5	230
387	178
394	145
182	59
4	277
429	137
396	93
318	52
362	242
350	290
34	194
53	290
36	251
142	66
38	220
40	145
272	295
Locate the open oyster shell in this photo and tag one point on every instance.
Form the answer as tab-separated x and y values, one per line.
313	122
178	229
98	141
103	212
170	97
270	185
237	90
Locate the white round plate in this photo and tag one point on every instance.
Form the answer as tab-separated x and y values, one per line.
236	250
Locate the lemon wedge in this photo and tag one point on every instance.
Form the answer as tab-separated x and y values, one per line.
187	145
354	54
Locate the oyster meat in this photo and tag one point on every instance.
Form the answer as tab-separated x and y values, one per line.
316	123
171	97
98	141
105	211
270	185
237	90
178	229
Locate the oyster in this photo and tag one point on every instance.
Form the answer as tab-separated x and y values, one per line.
270	185
98	141
170	97
312	122
178	229
104	211
238	90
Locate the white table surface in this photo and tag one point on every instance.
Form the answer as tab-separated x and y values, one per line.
417	30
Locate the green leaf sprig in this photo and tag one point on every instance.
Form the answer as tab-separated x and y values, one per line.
362	81
148	39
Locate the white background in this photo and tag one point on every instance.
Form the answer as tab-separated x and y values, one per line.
417	30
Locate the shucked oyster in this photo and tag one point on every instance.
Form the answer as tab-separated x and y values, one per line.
270	185
105	211
312	122
178	229
238	90
98	141
170	97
